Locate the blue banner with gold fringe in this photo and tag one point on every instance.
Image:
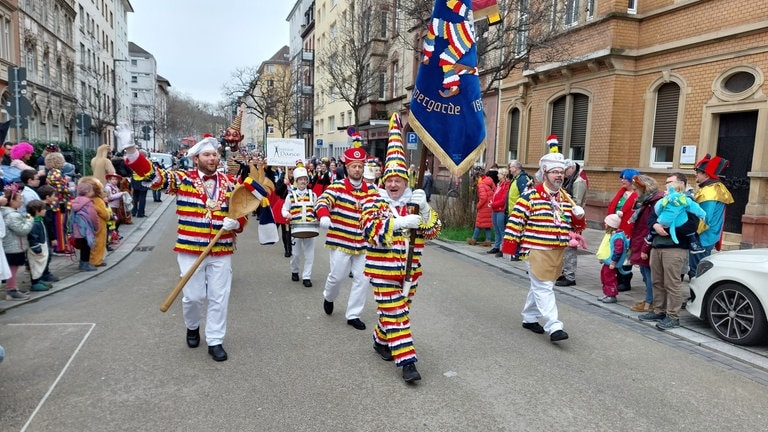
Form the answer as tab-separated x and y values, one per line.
447	106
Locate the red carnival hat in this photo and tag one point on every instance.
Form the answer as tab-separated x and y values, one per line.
712	166
355	153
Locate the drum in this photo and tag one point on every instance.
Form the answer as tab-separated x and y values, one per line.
305	229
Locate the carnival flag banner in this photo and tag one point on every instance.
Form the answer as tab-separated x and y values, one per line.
447	106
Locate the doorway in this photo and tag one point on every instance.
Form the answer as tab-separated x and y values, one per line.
736	143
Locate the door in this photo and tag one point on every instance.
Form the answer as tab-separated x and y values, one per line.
736	143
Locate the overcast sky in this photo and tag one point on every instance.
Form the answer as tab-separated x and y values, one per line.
197	44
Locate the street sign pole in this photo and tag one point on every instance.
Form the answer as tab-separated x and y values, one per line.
17	98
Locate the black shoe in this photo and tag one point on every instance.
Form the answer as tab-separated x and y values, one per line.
515	258
383	351
307	283
561	278
193	338
287	254
351	275
295	277
410	374
327	307
499	254
623	287
534	327
356	323
558	335
493	251
217	352
565	282
50	277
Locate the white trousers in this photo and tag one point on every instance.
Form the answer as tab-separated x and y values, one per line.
211	281
541	303
303	247
340	267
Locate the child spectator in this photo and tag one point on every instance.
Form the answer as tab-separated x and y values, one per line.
37	254
612	252
5	269
56	178
115	200
15	240
89	216
47	193
31	180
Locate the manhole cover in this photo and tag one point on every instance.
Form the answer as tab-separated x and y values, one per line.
143	248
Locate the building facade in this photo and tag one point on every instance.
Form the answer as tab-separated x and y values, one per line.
654	86
46	39
301	23
143	88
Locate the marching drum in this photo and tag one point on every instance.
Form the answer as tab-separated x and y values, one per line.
305	229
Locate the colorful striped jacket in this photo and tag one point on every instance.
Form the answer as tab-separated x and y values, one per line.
198	224
540	221
387	248
343	204
297	200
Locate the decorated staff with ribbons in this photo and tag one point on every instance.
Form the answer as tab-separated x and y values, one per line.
299	210
387	220
539	223
338	210
202	199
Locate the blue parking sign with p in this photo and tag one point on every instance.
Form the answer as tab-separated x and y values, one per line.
412	140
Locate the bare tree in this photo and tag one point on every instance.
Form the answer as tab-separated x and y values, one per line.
529	33
189	117
286	98
96	102
353	57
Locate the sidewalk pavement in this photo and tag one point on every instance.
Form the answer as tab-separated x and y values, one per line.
66	267
587	288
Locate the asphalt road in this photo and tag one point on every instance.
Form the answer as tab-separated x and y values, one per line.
100	356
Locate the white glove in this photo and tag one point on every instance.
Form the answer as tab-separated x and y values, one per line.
230	224
419	198
578	212
325	222
124	138
407	221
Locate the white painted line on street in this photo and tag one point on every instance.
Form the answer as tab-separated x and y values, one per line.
63	370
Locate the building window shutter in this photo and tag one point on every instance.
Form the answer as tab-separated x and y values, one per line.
665	121
578	136
558	119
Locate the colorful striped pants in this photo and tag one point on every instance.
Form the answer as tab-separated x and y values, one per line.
394	324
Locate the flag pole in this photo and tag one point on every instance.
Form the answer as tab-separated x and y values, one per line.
409	259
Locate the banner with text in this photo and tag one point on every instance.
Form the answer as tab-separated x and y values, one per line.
285	151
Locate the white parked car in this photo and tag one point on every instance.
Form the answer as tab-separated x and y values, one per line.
730	292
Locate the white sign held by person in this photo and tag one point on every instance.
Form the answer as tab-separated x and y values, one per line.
284	151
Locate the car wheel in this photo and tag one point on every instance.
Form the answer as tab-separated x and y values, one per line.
735	314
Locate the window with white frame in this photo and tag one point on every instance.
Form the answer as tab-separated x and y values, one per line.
382	85
5	37
341	119
590	9
665	123
632	6
513	121
331	123
571	15
521	40
395	79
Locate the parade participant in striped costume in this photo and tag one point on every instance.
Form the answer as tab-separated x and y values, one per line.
202	197
539	223
387	220
299	208
338	210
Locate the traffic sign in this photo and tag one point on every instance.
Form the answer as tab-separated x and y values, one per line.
412	140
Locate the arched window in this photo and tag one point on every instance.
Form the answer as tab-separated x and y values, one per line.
513	120
665	123
570	114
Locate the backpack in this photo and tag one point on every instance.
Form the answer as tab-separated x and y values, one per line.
78	222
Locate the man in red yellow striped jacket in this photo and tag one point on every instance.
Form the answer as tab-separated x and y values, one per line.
539	223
